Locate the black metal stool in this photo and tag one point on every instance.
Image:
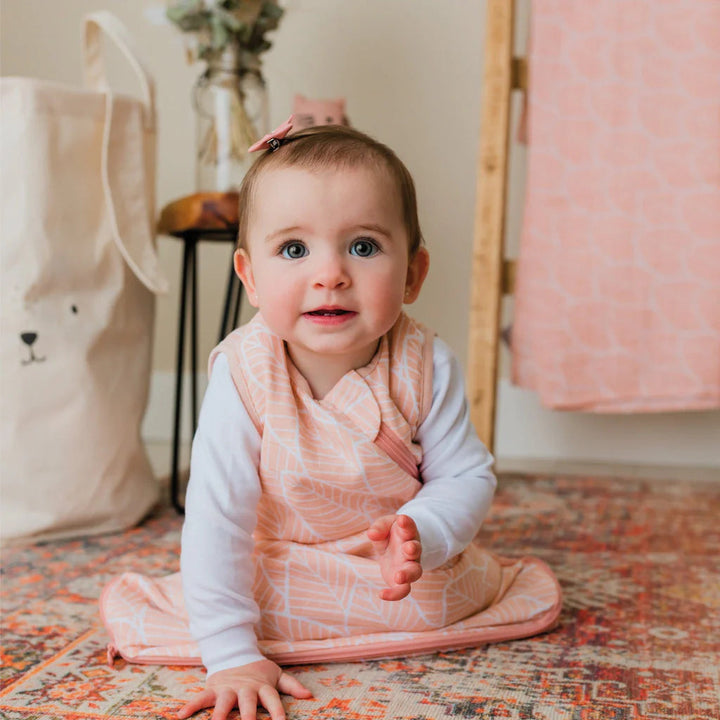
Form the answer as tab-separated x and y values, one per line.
197	218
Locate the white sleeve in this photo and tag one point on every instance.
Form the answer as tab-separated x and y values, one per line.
220	516
456	469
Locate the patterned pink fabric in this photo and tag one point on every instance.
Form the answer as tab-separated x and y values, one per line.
325	479
618	284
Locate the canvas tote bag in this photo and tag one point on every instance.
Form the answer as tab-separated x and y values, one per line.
79	275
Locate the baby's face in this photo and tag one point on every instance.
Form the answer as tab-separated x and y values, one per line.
327	260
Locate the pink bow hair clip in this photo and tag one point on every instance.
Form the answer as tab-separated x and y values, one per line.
272	140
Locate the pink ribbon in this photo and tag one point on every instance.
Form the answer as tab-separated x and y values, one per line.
272	140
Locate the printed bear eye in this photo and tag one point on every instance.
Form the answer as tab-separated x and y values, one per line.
73	309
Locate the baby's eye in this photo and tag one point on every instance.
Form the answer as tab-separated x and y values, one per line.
293	250
364	247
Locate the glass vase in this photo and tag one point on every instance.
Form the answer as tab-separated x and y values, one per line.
231	106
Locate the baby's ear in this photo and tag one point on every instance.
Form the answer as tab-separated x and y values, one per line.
243	269
417	272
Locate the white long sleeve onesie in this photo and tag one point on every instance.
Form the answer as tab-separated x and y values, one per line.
224	489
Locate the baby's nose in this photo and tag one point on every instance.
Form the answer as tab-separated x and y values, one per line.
332	272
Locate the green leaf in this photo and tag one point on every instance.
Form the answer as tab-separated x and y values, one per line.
183	6
220	34
189	17
272	10
228	19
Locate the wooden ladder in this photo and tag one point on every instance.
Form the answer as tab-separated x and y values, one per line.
492	275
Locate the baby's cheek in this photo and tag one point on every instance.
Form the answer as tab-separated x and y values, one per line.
275	291
279	308
387	298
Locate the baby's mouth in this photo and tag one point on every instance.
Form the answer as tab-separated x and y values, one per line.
330	316
328	312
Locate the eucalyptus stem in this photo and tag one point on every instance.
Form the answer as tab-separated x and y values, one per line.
219	24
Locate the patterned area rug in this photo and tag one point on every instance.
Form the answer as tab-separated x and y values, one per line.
639	636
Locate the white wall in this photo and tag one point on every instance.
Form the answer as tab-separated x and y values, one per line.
411	71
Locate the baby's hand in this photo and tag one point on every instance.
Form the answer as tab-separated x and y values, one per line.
246	687
397	544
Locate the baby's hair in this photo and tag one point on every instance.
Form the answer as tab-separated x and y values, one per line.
336	147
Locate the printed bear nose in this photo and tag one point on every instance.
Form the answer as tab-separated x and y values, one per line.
28	337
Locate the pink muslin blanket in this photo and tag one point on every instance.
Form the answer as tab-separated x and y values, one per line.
618	284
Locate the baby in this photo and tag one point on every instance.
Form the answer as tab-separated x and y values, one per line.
336	480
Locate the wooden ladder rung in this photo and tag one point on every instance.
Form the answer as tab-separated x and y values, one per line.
508	277
519	74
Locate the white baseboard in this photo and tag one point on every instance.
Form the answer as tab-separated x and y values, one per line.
527	431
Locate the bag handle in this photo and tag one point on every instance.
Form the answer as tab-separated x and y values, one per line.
105	22
136	244
135	241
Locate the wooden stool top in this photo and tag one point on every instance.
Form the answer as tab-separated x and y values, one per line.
200	212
